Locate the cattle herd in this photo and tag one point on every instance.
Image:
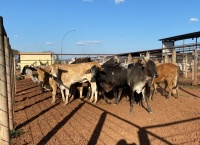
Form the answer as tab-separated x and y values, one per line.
139	77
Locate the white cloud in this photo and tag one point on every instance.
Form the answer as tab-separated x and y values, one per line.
16	36
84	43
49	43
87	0
193	20
119	1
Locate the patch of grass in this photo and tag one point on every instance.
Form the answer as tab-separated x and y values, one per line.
15	133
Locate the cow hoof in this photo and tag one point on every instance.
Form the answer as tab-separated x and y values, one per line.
150	112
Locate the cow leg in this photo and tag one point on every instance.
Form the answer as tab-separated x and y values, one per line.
164	90
41	87
119	94
89	92
63	94
54	89
67	96
152	91
145	99
170	86
132	100
72	91
115	95
104	96
80	92
94	96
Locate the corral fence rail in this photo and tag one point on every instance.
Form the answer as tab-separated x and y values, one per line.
7	86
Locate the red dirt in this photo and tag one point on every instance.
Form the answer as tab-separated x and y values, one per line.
173	121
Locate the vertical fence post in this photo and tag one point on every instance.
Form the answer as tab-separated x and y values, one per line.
186	66
174	56
166	58
194	82
4	119
52	59
8	75
148	55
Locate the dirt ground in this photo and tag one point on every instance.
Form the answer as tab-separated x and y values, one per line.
173	121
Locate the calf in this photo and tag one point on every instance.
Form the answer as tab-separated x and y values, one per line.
167	73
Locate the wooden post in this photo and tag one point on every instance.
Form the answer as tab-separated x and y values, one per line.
166	58
4	120
147	55
129	58
192	67
52	59
195	67
174	56
186	66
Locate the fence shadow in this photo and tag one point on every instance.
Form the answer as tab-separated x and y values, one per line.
189	93
25	107
50	134
97	131
142	133
33	118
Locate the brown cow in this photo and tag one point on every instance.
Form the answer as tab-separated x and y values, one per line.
167	73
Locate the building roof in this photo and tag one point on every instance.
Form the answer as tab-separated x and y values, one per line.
35	53
143	52
182	37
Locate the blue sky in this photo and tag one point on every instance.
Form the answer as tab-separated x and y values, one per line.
101	26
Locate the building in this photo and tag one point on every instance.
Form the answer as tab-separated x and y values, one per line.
34	58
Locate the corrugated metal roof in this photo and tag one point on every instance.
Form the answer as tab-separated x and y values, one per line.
182	37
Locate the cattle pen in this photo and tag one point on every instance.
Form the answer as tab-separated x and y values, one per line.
22	106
